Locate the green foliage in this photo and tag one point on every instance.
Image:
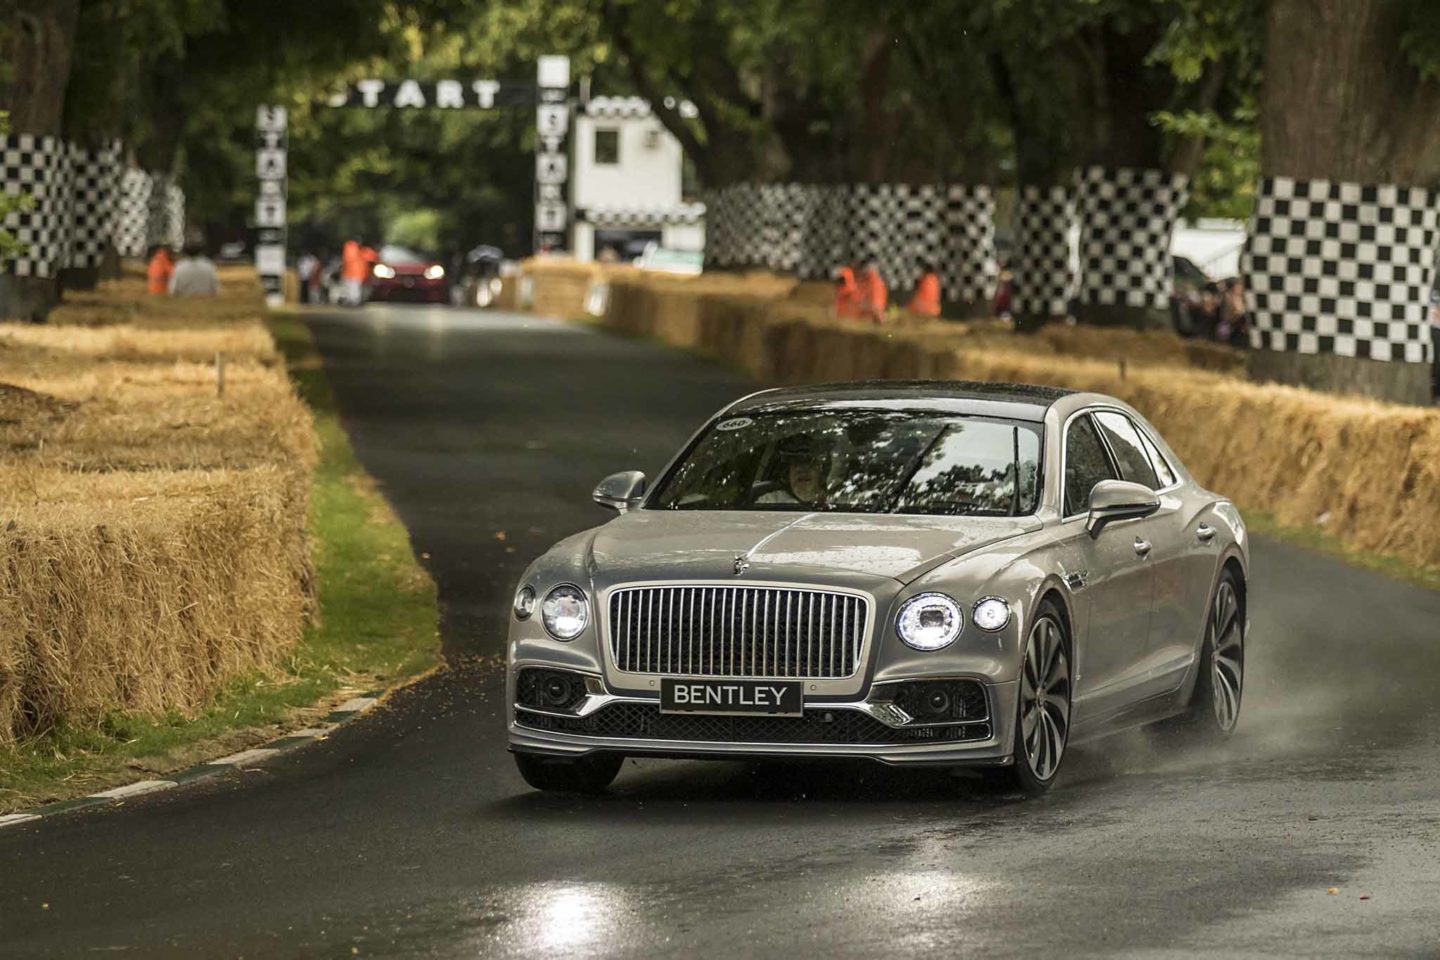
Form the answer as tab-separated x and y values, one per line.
1224	184
1420	35
11	203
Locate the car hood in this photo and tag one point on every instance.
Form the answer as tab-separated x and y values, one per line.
829	547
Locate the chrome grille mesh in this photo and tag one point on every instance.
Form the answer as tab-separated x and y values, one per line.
735	631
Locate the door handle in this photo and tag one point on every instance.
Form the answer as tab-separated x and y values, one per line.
1142	547
1205	532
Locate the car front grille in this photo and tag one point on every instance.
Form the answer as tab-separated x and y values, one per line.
737	631
643	721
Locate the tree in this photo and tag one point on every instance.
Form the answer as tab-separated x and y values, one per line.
37	40
1351	95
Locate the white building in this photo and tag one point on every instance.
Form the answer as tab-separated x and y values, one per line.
626	183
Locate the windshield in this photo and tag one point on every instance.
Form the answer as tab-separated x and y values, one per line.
391	253
859	461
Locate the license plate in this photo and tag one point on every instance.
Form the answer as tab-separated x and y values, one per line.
776	698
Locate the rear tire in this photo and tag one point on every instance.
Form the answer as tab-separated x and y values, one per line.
1042	707
591	774
1214	707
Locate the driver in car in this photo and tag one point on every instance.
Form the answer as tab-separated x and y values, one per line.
805	469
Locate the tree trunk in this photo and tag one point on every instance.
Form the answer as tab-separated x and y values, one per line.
37	39
1340	104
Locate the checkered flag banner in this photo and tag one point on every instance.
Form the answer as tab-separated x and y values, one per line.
132	215
967	256
1126	218
825	232
900	226
785	206
39	167
1342	268
1044	278
166	217
97	175
734	230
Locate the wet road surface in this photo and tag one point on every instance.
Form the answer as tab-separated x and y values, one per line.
408	833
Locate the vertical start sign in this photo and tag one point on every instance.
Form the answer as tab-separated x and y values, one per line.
271	151
552	125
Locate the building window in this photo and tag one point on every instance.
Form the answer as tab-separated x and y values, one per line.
607	146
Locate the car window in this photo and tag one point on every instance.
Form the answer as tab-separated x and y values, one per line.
858	461
1086	464
1128	448
1162	468
981	467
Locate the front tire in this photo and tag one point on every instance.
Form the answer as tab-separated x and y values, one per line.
591	774
1042	712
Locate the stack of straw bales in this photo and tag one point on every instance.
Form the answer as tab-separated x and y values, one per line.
152	528
1365	471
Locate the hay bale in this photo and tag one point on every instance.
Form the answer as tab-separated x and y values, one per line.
143	592
126	416
240	341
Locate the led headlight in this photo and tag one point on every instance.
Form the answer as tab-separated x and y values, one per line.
524	602
434	272
384	272
991	614
929	621
565	612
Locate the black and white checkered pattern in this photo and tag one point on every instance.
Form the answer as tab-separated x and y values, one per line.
1126	218
810	229
680	213
1044	277
1342	268
825	233
166	219
39	167
132	216
967	258
96	195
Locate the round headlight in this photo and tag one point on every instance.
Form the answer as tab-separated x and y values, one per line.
434	272
384	272
565	612
929	621
991	614
524	602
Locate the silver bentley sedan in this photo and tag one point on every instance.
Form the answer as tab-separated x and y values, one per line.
911	572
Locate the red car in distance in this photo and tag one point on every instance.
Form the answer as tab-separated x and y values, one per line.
403	274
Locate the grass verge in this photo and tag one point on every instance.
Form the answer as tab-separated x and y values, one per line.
377	626
1311	538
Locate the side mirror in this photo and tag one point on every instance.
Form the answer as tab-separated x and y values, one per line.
1113	500
621	491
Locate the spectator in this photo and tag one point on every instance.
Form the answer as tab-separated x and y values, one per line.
1435	339
1004	292
354	271
1205	313
159	270
306	272
874	295
847	291
1234	323
926	300
194	275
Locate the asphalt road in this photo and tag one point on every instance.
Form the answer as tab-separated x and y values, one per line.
408	833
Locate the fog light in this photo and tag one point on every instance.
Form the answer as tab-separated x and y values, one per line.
991	614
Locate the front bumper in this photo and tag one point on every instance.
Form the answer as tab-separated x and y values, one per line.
859	729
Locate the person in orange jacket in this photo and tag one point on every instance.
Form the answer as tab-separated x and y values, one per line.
926	301
847	291
354	271
159	271
874	295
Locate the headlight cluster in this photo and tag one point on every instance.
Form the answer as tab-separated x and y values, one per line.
565	612
933	621
434	272
384	272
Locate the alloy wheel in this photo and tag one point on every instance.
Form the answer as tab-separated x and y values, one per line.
1227	660
1045	698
